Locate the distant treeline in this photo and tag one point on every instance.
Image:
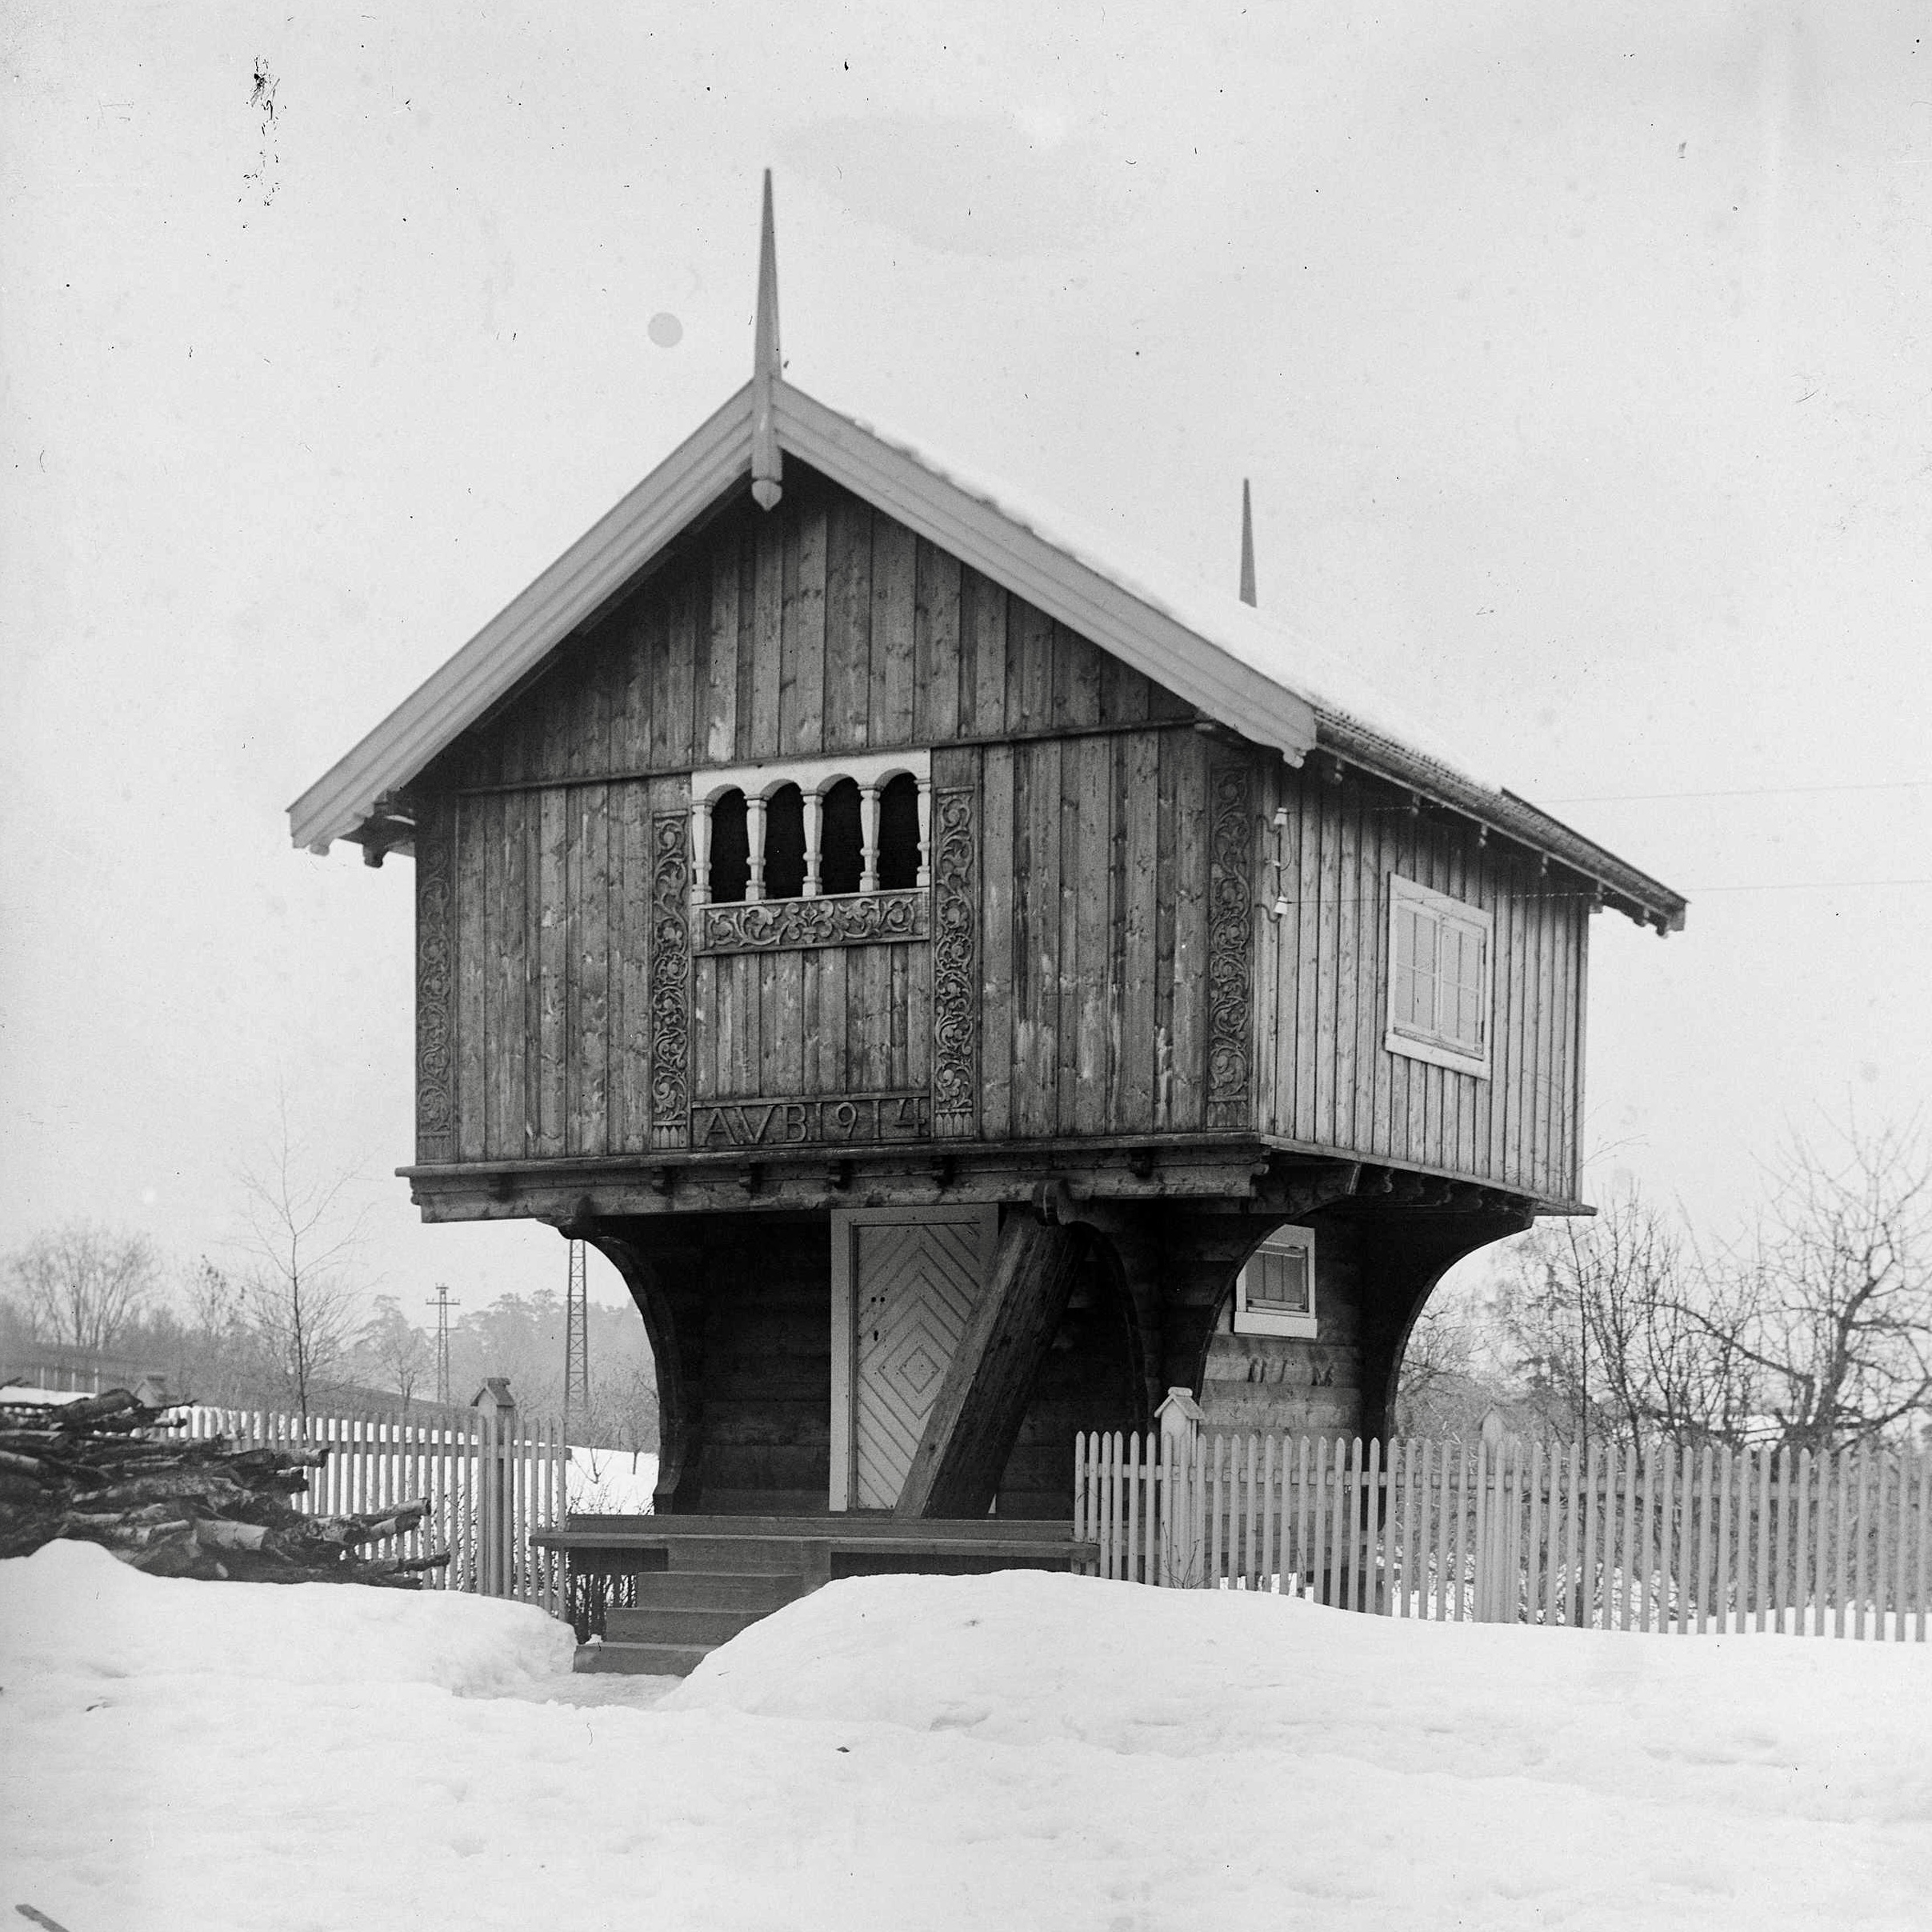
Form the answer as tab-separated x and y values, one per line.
85	1298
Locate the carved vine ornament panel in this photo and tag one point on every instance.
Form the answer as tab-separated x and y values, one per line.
772	926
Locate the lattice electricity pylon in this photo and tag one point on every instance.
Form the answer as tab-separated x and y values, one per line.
442	1304
576	1340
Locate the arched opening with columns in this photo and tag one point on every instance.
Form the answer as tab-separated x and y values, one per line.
812	829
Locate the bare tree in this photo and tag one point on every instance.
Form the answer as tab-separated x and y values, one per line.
398	1352
82	1286
1831	1303
1604	1321
219	1360
302	1238
1434	1391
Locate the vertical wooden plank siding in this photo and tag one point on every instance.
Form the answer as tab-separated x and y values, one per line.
895	580
848	626
828	627
802	724
936	646
999	850
1187	1002
471	826
1323	991
1086	891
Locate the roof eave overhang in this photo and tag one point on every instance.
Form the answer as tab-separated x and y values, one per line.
708	463
356	798
1516	820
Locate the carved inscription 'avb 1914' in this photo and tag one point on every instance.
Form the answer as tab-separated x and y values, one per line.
855	1118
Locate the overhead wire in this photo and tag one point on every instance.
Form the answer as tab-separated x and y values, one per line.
1744	791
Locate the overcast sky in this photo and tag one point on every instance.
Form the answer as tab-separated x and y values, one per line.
1579	358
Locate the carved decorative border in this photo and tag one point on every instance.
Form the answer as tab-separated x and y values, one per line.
774	925
1230	911
955	963
435	909
671	975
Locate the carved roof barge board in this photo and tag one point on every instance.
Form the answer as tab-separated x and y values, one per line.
363	796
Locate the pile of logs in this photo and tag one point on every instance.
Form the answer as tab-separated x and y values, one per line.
106	1470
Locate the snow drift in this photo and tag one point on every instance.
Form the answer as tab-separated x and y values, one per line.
1022	1750
72	1610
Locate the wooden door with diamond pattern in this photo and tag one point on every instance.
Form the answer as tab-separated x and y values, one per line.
902	1298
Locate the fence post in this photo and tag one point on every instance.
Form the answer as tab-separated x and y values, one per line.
1180	1418
494	1494
1492	1530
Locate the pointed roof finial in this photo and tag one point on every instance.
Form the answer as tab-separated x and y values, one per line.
766	464
1247	546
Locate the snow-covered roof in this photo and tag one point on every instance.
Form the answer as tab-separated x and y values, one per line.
1251	673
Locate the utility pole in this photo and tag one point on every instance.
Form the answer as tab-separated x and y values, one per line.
576	1340
442	1304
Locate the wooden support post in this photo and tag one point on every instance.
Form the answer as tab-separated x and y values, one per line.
754	846
700	851
982	1403
868	837
814	823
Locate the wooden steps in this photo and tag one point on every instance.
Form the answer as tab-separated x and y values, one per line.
721	1573
712	1587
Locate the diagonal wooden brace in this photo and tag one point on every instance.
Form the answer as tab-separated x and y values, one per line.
977	1415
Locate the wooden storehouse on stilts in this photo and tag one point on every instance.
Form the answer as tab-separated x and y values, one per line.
966	994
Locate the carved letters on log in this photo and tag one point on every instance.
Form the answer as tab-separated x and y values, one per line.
435	1101
955	960
669	980
771	926
1230	923
854	1118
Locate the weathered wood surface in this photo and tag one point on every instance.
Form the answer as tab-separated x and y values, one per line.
1325	1078
824	626
1079	987
1109	964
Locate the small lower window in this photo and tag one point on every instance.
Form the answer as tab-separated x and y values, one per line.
1274	1293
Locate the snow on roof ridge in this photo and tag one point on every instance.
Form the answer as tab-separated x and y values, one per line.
1285	655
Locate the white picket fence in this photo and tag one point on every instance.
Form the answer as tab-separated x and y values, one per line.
491	1484
1666	1540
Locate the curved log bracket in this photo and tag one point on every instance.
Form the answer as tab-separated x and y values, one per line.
1405	1256
674	1326
977	1414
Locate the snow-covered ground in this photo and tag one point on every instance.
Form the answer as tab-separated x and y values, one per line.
1021	1751
611	1482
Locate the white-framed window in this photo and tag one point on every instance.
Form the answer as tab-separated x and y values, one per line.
1439	975
1274	1293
